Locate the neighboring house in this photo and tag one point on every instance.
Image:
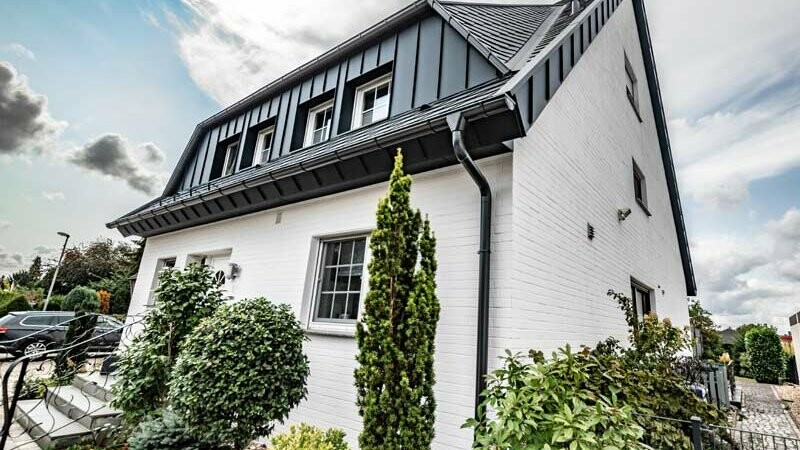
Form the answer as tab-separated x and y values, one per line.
564	118
729	336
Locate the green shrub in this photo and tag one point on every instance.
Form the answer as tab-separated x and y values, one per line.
541	404
11	301
55	304
307	437
184	298
166	433
239	371
81	299
767	360
86	304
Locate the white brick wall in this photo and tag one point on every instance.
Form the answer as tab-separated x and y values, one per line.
575	167
275	259
548	280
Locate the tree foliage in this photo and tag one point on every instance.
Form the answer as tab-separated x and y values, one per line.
12	301
710	338
183	299
395	338
240	371
307	437
767	360
167	432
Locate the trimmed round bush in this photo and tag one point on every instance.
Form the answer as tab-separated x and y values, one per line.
12	301
767	361
239	371
307	437
81	299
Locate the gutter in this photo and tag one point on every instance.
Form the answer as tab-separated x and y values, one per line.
458	123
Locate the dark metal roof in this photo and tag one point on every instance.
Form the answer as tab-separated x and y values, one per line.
502	28
483	99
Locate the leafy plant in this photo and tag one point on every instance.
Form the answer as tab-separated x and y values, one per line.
544	404
767	360
710	338
395	338
307	437
55	303
239	371
143	371
86	304
167	432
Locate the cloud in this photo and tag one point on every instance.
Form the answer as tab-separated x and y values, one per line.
233	48
10	261
26	122
752	280
41	250
18	50
150	18
53	196
733	97
152	154
112	156
4	224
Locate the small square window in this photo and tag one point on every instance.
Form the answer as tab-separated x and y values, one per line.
264	145
640	187
340	280
231	154
372	102
319	123
642	299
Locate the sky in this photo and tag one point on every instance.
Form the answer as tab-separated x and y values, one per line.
98	99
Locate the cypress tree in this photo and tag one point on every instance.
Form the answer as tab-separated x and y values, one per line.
395	337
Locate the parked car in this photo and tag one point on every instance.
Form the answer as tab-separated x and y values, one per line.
31	332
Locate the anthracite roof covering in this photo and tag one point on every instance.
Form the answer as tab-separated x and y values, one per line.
502	28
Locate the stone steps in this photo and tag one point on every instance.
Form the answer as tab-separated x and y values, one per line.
69	414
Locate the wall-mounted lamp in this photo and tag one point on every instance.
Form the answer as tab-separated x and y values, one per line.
233	271
623	214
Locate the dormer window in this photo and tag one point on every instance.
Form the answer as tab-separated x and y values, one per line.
231	154
319	123
264	145
372	102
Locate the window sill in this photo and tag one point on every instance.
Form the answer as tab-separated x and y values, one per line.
344	330
644	207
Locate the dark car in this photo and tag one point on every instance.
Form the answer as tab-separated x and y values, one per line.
31	332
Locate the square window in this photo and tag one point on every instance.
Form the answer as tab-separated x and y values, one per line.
642	299
319	123
372	102
640	187
339	280
231	154
264	145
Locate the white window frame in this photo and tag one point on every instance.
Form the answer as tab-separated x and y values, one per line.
358	110
344	327
161	264
309	139
637	286
228	166
260	150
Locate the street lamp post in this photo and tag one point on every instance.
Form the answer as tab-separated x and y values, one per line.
55	274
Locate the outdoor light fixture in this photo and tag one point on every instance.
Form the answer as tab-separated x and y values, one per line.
55	274
623	214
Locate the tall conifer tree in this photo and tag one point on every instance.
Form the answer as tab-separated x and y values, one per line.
395	337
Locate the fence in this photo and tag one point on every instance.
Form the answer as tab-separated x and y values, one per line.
54	408
716	381
713	437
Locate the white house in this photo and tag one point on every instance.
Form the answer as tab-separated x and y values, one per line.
559	107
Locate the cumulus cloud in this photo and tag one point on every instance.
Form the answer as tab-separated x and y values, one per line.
752	280
26	122
41	250
152	154
53	196
10	261
233	48
111	155
733	98
4	224
18	49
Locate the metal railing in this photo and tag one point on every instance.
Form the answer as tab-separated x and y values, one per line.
714	437
35	376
